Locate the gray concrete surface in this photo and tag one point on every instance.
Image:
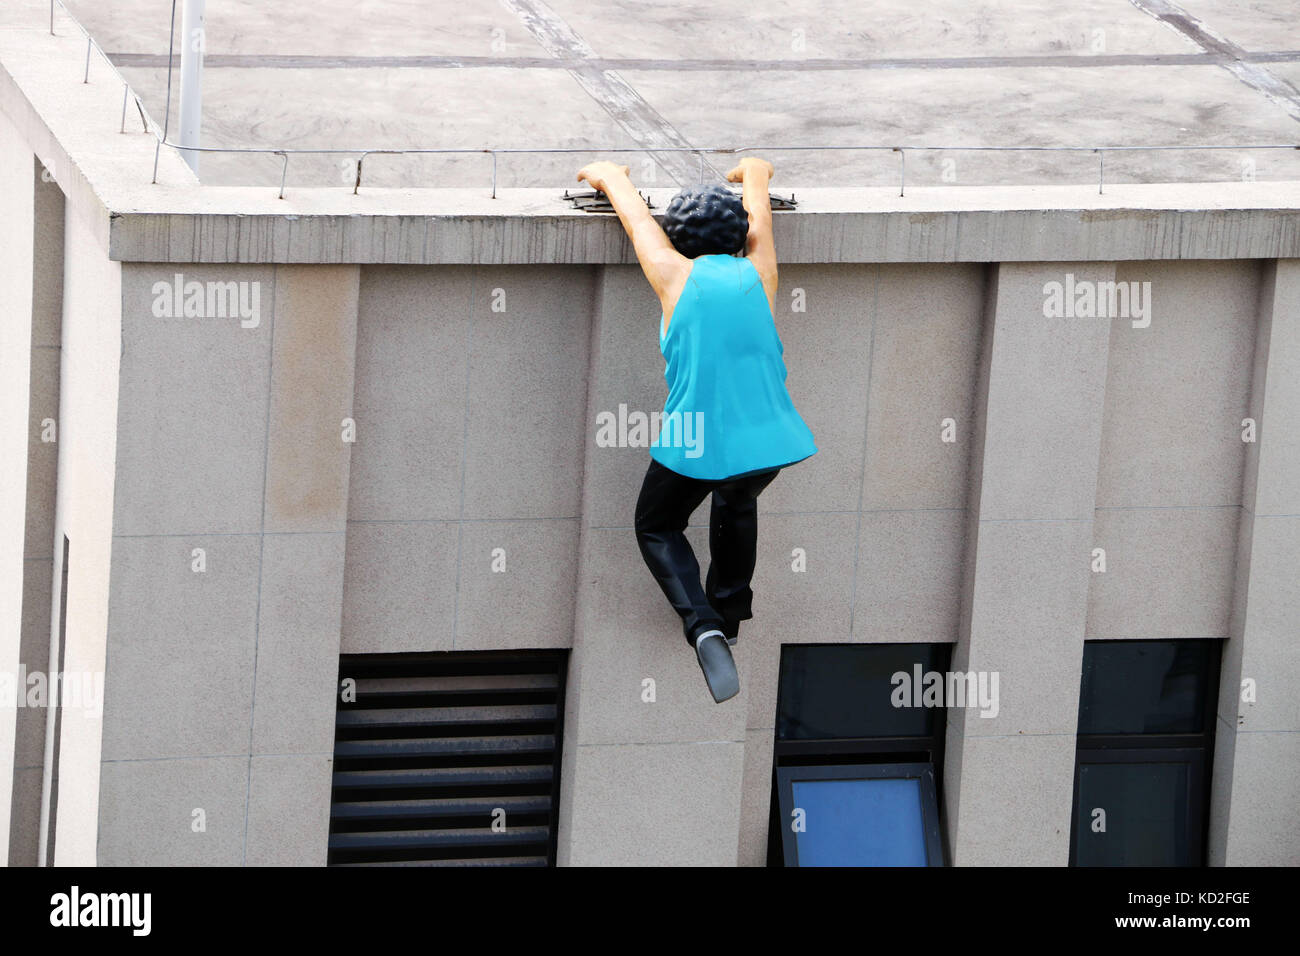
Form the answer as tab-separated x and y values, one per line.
565	73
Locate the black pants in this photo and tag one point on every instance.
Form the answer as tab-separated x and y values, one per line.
663	509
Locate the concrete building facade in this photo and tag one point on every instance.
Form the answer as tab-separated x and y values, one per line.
376	399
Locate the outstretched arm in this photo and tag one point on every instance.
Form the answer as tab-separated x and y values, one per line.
755	174
664	267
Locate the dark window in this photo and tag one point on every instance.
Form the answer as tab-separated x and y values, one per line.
1146	687
448	759
857	764
1145	747
843	691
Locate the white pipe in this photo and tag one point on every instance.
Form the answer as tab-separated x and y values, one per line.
192	46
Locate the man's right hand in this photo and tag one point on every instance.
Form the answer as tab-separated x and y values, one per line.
599	173
737	175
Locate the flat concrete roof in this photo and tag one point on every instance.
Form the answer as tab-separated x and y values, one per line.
75	130
624	73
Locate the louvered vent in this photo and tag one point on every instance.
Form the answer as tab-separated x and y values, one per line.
435	748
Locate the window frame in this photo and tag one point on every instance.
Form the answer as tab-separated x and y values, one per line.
1197	798
924	772
1194	748
837	754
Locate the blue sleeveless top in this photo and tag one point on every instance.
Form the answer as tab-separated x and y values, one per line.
728	412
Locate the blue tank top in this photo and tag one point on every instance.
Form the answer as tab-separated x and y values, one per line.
728	412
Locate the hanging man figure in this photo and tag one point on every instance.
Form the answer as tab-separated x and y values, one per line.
728	425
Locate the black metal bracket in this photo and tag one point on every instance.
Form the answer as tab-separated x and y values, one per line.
593	200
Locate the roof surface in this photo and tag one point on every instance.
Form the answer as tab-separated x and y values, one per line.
573	74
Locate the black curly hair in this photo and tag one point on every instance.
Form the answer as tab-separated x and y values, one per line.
706	220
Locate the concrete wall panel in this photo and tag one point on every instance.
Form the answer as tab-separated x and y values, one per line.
193	425
924	359
1169	573
1177	390
181	647
516	583
678	819
186	812
412	340
526	392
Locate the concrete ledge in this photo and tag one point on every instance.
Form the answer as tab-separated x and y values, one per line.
73	127
953	224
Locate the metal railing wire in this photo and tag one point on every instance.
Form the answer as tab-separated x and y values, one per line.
160	136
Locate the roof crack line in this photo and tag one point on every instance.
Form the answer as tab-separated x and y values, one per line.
1233	58
628	108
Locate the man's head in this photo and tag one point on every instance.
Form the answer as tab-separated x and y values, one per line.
706	220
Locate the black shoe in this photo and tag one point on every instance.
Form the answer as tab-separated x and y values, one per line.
714	655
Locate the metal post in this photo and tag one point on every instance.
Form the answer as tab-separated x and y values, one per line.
284	170
192	44
144	123
167	104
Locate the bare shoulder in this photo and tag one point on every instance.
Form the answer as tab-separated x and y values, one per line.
673	270
672	266
764	262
